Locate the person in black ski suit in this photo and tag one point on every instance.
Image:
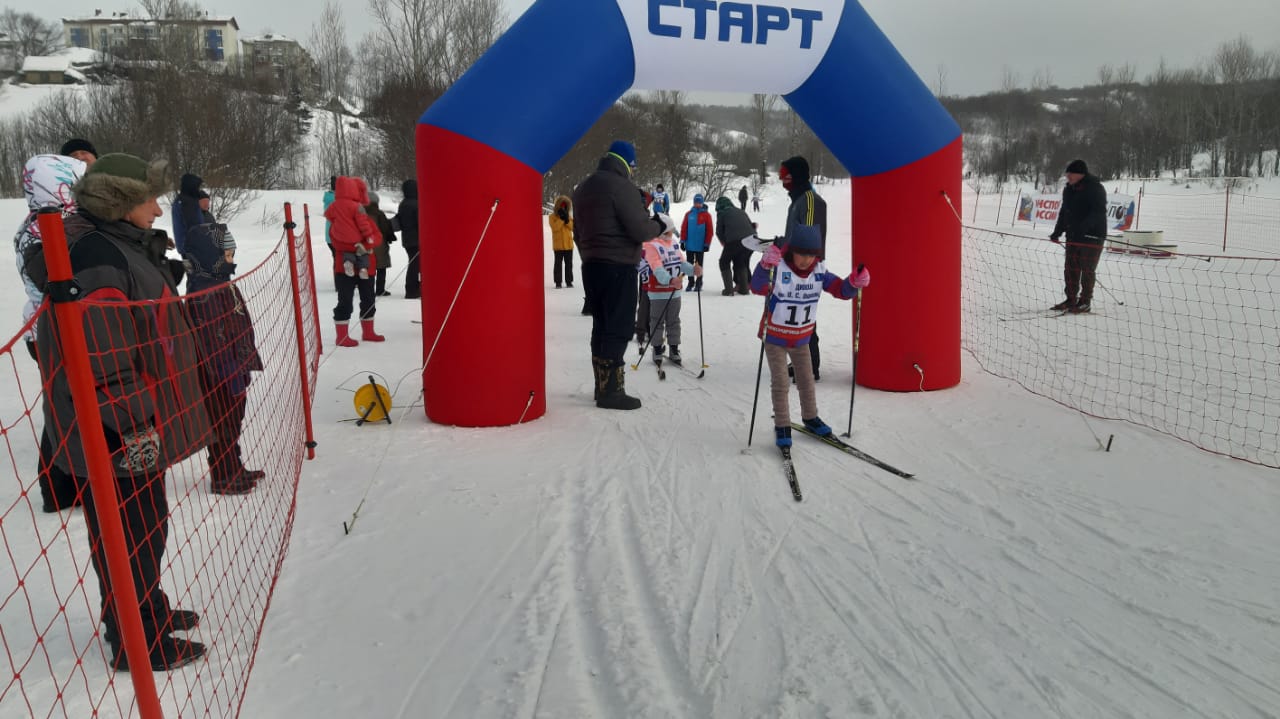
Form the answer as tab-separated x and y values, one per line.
732	227
610	227
1083	218
407	216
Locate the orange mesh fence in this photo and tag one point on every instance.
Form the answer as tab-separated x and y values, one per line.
203	409
1183	344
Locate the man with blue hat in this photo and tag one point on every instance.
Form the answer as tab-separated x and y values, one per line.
611	225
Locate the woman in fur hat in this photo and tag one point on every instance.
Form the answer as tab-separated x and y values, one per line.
146	367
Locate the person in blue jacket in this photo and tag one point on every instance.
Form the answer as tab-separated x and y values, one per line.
696	232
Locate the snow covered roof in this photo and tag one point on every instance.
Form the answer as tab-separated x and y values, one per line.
80	55
45	63
269	37
125	17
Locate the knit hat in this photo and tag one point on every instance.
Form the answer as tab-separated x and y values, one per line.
1078	166
409	188
697	199
77	145
117	183
806	239
189	185
624	151
723	203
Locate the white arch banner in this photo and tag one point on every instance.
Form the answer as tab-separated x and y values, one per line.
729	46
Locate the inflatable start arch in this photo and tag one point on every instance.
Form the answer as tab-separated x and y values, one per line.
484	146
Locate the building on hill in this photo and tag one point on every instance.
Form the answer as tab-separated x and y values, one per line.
8	54
280	61
49	70
206	38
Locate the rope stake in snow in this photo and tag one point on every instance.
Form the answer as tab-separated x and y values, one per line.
465	274
947	197
527	405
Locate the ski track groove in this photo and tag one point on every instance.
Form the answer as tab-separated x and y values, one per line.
486	587
546	663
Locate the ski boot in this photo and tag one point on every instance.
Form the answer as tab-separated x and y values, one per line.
817	426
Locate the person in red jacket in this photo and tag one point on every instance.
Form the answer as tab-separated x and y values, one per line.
352	231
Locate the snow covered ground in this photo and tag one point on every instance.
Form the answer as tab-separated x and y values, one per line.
640	564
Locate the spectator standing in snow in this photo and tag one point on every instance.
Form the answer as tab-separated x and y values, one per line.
696	232
561	222
807	208
611	226
224	333
186	212
660	272
755	201
382	252
793	277
47	181
732	227
152	407
1083	218
742	198
352	232
407	216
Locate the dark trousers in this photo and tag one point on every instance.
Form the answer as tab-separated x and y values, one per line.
57	488
562	260
697	258
1081	266
347	287
815	356
611	296
735	264
642	313
380	281
144	510
226	413
412	275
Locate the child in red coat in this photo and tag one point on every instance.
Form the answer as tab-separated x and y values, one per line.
354	235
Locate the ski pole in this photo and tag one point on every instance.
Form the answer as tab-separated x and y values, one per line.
759	365
649	340
857	332
1104	289
702	346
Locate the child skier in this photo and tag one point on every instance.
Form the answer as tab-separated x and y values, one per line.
794	278
660	275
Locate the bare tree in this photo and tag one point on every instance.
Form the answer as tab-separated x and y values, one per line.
334	60
435	41
31	34
940	82
761	108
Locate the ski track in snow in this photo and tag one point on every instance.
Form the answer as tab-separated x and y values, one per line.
637	564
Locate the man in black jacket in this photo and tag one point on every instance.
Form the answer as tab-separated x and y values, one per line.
610	225
1083	217
407	215
807	208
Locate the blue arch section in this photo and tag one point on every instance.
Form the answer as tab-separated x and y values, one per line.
867	104
543	83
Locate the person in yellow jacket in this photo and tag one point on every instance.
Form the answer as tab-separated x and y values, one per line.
561	221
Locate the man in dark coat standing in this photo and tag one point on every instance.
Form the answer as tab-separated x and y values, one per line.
732	227
407	215
610	227
807	208
1083	218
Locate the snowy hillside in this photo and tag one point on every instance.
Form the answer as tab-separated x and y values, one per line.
641	564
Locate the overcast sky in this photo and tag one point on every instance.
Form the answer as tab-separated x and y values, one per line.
974	41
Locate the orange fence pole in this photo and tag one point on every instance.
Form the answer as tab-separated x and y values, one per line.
311	270
63	292
305	385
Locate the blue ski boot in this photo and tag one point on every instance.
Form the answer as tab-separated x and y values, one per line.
783	436
817	426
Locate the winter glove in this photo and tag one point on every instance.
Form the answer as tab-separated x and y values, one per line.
772	257
141	451
31	349
861	278
361	250
1054	238
178	269
683	248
